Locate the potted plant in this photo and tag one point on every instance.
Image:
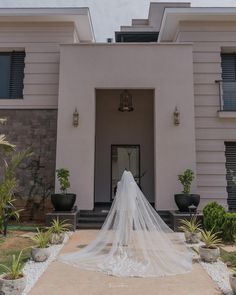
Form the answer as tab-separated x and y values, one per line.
191	229
41	251
57	231
209	252
186	199
12	281
63	201
232	280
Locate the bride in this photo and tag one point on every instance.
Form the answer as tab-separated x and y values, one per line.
133	241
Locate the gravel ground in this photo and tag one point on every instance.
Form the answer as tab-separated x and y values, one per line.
33	270
218	271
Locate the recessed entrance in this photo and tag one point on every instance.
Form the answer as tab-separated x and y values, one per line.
124	140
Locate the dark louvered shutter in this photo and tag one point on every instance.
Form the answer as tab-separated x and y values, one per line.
17	75
228	64
230	153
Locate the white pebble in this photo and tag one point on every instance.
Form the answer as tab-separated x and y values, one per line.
33	270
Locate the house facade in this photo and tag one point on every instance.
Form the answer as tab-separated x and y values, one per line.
174	72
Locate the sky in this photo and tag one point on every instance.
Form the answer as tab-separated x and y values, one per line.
108	15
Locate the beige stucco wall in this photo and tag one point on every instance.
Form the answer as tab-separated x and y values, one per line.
209	40
41	44
165	68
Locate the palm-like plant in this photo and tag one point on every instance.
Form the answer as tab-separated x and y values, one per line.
192	226
5	145
41	239
8	184
15	270
210	239
59	227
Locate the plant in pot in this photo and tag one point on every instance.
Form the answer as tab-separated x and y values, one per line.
209	251
186	199
232	280
63	201
58	230
12	281
191	229
41	251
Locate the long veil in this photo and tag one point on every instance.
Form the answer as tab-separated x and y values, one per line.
133	241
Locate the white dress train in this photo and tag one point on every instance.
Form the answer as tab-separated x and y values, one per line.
134	240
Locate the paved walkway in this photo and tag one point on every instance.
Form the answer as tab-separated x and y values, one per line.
62	279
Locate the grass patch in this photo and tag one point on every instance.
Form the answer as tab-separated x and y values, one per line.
228	258
12	245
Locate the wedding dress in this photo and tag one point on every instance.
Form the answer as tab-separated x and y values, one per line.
133	241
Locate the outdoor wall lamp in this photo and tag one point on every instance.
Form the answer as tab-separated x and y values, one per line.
75	118
126	104
176	116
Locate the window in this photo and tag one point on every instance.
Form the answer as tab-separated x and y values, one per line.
12	66
230	154
228	87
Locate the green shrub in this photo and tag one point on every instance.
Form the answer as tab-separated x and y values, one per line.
63	178
229	227
213	217
186	180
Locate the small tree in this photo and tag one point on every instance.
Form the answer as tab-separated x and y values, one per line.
63	178
8	185
8	181
186	180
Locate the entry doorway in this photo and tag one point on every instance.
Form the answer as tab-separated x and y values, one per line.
124	140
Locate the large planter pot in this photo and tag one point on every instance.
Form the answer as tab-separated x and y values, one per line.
232	281
195	199
40	254
183	201
63	202
209	254
56	239
12	287
192	238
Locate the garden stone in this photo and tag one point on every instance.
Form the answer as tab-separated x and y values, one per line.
192	238
209	255
12	287
57	238
232	281
40	254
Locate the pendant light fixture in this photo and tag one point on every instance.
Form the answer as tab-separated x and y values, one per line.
126	102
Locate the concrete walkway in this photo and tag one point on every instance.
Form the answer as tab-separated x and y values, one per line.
62	279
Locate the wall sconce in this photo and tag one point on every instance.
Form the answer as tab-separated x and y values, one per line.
176	116
75	118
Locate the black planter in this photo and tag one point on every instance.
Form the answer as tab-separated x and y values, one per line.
183	201
195	199
63	202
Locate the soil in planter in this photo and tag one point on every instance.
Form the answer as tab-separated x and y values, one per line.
210	248
9	277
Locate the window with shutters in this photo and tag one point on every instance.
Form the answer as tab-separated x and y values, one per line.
228	83
12	66
230	154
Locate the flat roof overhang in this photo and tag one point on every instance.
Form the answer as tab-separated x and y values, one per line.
79	16
172	17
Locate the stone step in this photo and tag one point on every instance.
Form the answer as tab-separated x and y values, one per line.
86	213
92	219
89	225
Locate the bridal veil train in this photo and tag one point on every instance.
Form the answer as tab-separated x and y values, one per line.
133	241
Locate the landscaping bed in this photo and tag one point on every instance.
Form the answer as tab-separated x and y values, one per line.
13	244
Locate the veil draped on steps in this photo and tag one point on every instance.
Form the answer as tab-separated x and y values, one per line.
133	241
